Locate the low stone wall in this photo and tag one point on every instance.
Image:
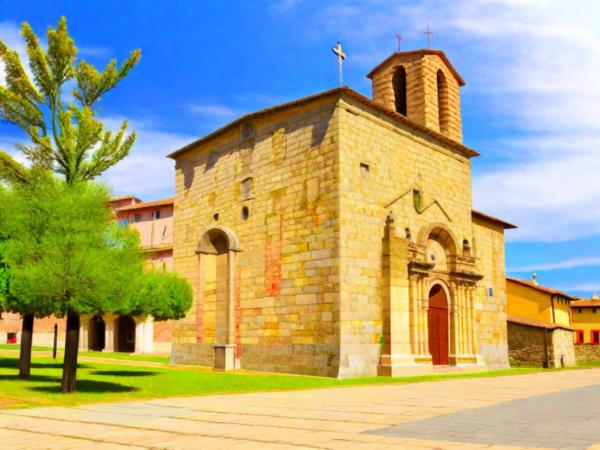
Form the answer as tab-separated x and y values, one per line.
587	352
316	359
526	345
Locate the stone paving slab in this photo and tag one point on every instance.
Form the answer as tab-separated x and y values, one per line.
543	410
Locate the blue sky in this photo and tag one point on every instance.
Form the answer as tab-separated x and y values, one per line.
531	105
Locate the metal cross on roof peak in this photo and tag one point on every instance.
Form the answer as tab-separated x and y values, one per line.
341	56
428	33
399	37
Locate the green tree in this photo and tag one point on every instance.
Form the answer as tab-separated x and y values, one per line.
66	137
67	255
164	295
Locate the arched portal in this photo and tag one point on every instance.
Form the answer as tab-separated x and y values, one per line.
125	334
96	333
216	295
437	324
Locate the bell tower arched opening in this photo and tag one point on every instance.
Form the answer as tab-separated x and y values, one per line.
443	103
399	84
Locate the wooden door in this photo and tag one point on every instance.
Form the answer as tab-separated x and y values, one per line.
437	324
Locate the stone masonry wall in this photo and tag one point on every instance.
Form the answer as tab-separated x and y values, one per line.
421	95
488	249
380	164
587	352
563	348
526	345
287	279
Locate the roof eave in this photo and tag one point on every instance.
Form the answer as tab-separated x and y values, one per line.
424	51
337	92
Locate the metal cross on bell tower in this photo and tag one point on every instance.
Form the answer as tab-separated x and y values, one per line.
341	56
399	37
428	33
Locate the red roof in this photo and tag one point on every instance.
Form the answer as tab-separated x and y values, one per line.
124	197
536	323
541	288
153	204
488	218
337	92
585	304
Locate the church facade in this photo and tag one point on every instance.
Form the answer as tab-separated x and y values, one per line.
334	235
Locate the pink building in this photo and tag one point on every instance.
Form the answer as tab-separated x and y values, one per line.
154	221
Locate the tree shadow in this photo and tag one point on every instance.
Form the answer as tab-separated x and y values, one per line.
89	386
13	363
124	373
31	378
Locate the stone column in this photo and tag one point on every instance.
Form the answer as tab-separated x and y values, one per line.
225	353
230	297
147	343
83	333
139	335
423	319
109	333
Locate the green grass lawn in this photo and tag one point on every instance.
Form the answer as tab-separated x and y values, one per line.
107	382
17	347
104	355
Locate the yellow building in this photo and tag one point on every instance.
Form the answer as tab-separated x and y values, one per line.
539	324
586	320
334	235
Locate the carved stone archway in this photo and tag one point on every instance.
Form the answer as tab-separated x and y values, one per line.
219	242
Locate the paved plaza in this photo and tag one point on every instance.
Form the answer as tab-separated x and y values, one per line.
543	410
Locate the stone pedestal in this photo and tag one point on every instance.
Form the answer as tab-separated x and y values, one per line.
225	357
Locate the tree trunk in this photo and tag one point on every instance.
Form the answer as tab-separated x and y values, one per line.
69	376
26	341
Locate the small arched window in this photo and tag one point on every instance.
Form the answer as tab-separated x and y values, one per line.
399	83
443	102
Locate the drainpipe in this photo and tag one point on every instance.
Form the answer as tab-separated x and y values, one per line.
552	303
546	356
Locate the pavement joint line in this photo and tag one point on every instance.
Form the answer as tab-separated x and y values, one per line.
176	433
193	410
80	438
216	422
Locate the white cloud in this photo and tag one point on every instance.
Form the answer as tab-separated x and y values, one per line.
535	62
10	34
219	111
581	287
566	264
146	172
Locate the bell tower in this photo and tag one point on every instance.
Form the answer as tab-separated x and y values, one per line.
423	86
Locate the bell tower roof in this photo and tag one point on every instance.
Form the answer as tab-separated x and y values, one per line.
419	53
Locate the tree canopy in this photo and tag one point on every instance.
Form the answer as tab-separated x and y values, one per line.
65	252
164	295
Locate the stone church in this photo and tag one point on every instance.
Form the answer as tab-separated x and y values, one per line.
334	235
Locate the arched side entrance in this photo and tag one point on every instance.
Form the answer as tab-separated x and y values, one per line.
217	251
125	334
437	325
96	333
